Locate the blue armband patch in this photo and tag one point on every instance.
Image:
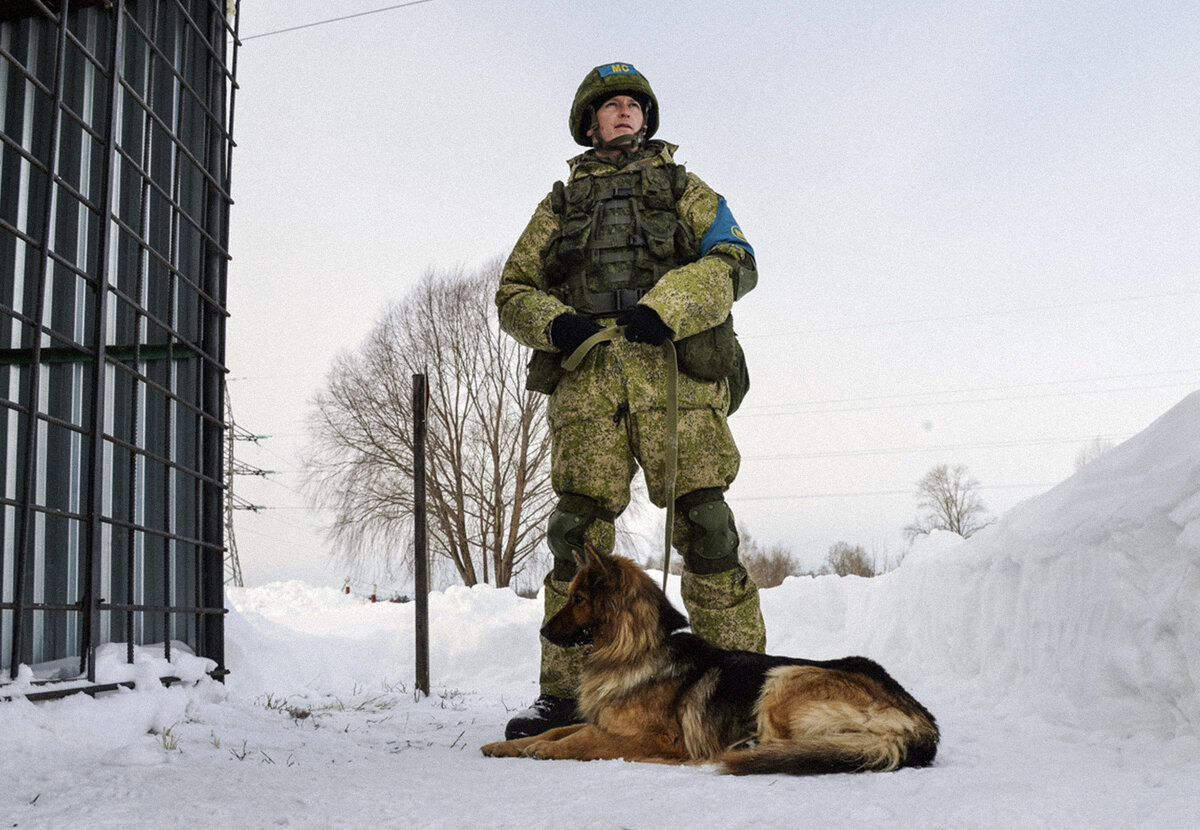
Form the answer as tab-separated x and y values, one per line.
724	231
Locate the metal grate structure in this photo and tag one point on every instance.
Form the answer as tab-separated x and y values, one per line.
115	151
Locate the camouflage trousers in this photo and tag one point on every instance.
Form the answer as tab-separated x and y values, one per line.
598	458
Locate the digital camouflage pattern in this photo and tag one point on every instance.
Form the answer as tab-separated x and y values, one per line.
723	608
607	417
561	667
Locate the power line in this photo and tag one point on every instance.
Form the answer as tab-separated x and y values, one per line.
972	390
335	19
958	316
833	406
853	495
990	445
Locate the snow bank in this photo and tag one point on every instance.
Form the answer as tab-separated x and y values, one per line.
1082	604
288	638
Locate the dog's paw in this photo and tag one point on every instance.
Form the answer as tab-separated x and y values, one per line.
541	750
500	749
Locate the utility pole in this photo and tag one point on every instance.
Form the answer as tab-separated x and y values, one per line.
420	397
234	433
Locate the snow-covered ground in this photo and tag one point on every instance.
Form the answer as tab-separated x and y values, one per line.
1059	649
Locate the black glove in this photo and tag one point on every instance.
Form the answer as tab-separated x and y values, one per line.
643	325
569	330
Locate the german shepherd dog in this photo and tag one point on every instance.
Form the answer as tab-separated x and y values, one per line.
652	693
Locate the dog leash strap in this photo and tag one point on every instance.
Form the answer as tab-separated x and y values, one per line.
672	460
571	363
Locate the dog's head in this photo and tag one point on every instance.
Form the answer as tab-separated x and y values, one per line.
611	599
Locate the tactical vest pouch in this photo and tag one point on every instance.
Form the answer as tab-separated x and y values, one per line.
658	227
709	355
568	245
739	380
545	371
715	354
658	192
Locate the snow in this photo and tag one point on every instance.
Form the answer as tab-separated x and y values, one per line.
1059	649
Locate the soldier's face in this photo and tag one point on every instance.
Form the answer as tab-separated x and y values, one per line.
620	115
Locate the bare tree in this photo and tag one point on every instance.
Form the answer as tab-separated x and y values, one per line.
1091	451
950	501
845	559
487	468
767	566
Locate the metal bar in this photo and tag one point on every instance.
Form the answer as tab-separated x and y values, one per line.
233	87
97	474
142	235
20	234
25	73
91	690
48	511
21	151
199	475
84	354
45	606
420	538
151	608
211	590
172	375
25	526
121	523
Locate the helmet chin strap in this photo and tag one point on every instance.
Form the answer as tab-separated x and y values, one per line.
626	145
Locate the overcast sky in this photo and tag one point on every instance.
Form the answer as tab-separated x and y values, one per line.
975	223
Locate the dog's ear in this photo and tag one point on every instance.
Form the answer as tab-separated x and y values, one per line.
595	558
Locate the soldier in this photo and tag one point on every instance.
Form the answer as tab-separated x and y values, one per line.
634	240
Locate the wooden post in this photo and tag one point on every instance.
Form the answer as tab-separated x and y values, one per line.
420	542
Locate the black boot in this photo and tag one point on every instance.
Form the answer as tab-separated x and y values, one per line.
547	712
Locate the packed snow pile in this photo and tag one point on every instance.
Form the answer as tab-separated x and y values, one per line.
1058	648
291	638
1082	603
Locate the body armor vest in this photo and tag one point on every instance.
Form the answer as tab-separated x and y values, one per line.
617	236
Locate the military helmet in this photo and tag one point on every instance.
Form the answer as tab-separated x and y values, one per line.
604	81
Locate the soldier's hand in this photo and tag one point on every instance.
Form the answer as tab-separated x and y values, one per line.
569	330
643	325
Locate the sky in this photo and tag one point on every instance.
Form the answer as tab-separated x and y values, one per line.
1057	650
974	225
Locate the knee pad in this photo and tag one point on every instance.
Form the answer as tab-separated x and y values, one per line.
568	522
712	539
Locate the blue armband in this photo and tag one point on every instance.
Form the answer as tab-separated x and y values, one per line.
724	231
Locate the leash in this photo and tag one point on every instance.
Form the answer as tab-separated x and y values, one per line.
671	426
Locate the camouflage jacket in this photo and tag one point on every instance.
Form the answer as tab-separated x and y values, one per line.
690	298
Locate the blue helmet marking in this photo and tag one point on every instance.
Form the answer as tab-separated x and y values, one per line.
616	69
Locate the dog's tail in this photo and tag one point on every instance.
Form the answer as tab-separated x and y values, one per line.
826	754
812	721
